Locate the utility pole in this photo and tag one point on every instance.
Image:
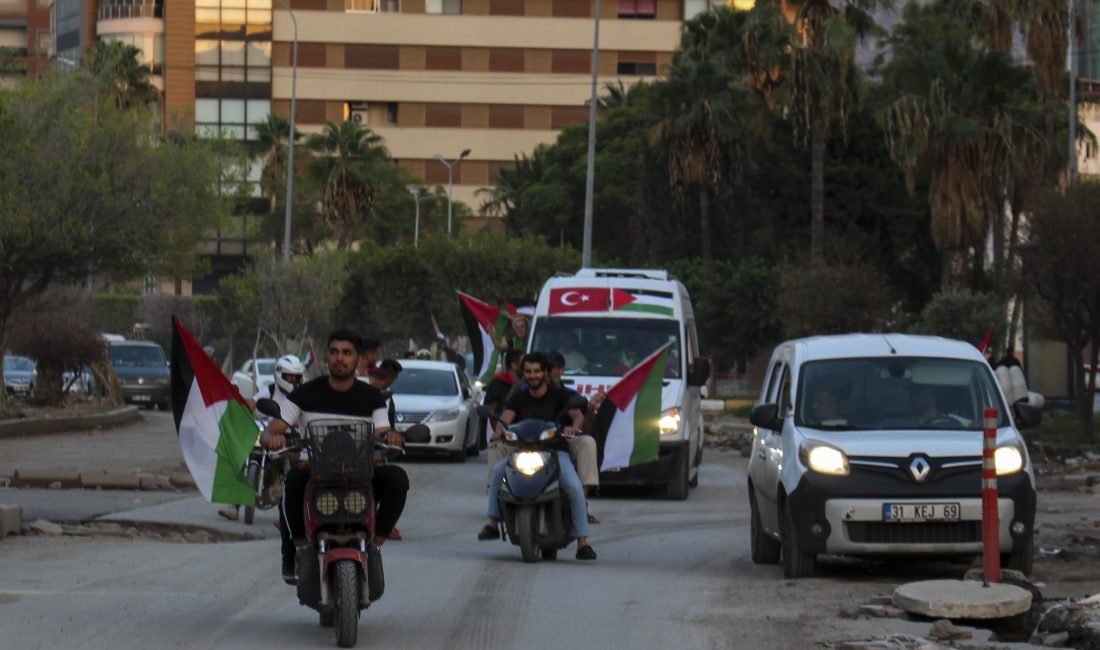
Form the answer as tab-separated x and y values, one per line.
1072	170
590	175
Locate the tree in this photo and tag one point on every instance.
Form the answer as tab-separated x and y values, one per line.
964	315
59	339
1060	281
118	66
834	299
351	165
88	190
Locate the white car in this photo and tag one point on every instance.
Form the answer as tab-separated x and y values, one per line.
871	445
249	384
438	395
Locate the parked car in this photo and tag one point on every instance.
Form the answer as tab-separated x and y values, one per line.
143	373
265	376
20	375
871	445
437	394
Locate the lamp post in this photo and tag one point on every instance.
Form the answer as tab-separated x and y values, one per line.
290	156
590	171
450	182
415	191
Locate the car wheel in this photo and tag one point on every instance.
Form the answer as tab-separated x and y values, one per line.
796	562
765	550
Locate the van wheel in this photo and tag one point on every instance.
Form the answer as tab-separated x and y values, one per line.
678	488
796	562
1022	556
765	550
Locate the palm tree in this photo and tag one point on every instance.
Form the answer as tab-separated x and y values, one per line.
271	148
347	166
118	65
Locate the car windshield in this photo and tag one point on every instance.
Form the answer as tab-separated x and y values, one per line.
265	367
425	381
609	346
896	393
18	363
136	356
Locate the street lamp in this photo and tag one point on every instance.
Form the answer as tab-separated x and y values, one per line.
290	156
415	191
590	169
450	182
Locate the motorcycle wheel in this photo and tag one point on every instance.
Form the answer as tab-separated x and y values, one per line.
345	583
525	530
254	479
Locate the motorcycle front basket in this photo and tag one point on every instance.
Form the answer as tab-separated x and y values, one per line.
341	448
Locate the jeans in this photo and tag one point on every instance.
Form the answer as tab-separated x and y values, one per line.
569	482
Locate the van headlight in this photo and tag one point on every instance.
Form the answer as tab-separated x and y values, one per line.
529	462
445	415
824	459
669	422
1008	460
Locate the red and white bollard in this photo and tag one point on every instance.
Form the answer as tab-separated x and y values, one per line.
991	527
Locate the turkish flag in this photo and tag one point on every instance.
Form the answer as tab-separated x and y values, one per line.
578	299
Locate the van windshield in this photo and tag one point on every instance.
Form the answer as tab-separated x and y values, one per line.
897	393
136	356
608	346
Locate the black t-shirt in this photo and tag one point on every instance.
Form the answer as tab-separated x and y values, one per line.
317	399
529	407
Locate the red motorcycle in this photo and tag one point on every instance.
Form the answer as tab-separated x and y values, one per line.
340	571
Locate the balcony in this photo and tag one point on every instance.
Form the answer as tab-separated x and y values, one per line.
126	9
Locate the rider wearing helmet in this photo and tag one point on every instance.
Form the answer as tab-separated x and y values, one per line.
424	354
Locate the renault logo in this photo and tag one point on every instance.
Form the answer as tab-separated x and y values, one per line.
920	468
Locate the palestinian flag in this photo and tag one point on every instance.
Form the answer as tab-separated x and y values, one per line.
435	328
626	428
215	426
650	302
485	325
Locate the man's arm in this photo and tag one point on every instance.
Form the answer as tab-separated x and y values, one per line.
506	418
578	421
274	435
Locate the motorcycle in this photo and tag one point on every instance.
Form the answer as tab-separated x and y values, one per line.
265	471
339	570
534	509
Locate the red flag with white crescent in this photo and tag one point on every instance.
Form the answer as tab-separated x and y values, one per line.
579	299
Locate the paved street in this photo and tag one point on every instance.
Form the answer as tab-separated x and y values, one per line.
670	574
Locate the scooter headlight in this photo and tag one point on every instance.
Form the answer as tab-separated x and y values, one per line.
327	504
529	462
355	503
669	422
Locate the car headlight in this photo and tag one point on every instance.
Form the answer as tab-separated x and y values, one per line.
529	462
669	422
162	381
1008	460
548	433
327	503
445	415
825	460
355	503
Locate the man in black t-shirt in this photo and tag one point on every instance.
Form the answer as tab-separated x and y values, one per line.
337	396
541	401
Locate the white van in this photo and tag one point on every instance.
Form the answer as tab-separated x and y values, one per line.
604	321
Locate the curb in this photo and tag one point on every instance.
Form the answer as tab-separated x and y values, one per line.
38	426
96	481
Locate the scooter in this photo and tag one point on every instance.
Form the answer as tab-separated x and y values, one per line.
534	509
339	571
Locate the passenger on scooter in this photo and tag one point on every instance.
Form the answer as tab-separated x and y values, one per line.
541	401
337	394
503	386
288	376
382	378
582	447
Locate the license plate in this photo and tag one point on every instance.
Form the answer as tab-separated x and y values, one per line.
141	398
921	512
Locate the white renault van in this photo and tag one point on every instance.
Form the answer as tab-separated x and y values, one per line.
604	321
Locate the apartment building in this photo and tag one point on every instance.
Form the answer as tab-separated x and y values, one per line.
24	38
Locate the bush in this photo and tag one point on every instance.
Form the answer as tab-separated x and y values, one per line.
964	315
114	313
837	299
58	341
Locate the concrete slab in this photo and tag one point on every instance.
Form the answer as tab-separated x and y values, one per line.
110	481
45	478
962	599
11	520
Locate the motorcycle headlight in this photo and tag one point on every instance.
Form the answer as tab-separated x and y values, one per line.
529	462
355	503
825	460
1008	460
548	433
445	415
669	422
327	504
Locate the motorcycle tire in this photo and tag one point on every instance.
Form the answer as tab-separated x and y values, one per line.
525	530
254	478
345	588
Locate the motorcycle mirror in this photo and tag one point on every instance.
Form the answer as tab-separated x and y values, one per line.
418	433
486	411
269	407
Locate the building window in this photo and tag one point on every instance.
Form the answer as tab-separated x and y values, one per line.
637	69
235	118
452	7
391	112
638	9
373	6
693	8
233	40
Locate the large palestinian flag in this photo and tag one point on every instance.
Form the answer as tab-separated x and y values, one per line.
626	429
485	325
215	426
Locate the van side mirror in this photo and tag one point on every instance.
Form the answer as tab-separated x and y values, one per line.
700	372
1027	416
766	416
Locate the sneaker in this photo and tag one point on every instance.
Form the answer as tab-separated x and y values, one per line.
395	535
586	552
489	531
289	576
592	519
230	513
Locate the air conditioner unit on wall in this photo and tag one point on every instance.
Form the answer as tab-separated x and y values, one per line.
357	112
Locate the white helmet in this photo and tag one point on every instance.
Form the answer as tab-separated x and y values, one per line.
288	373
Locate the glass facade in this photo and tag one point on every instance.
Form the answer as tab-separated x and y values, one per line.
233	40
66	25
151	46
236	118
1088	48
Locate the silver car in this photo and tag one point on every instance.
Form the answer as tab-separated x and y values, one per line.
438	395
871	445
